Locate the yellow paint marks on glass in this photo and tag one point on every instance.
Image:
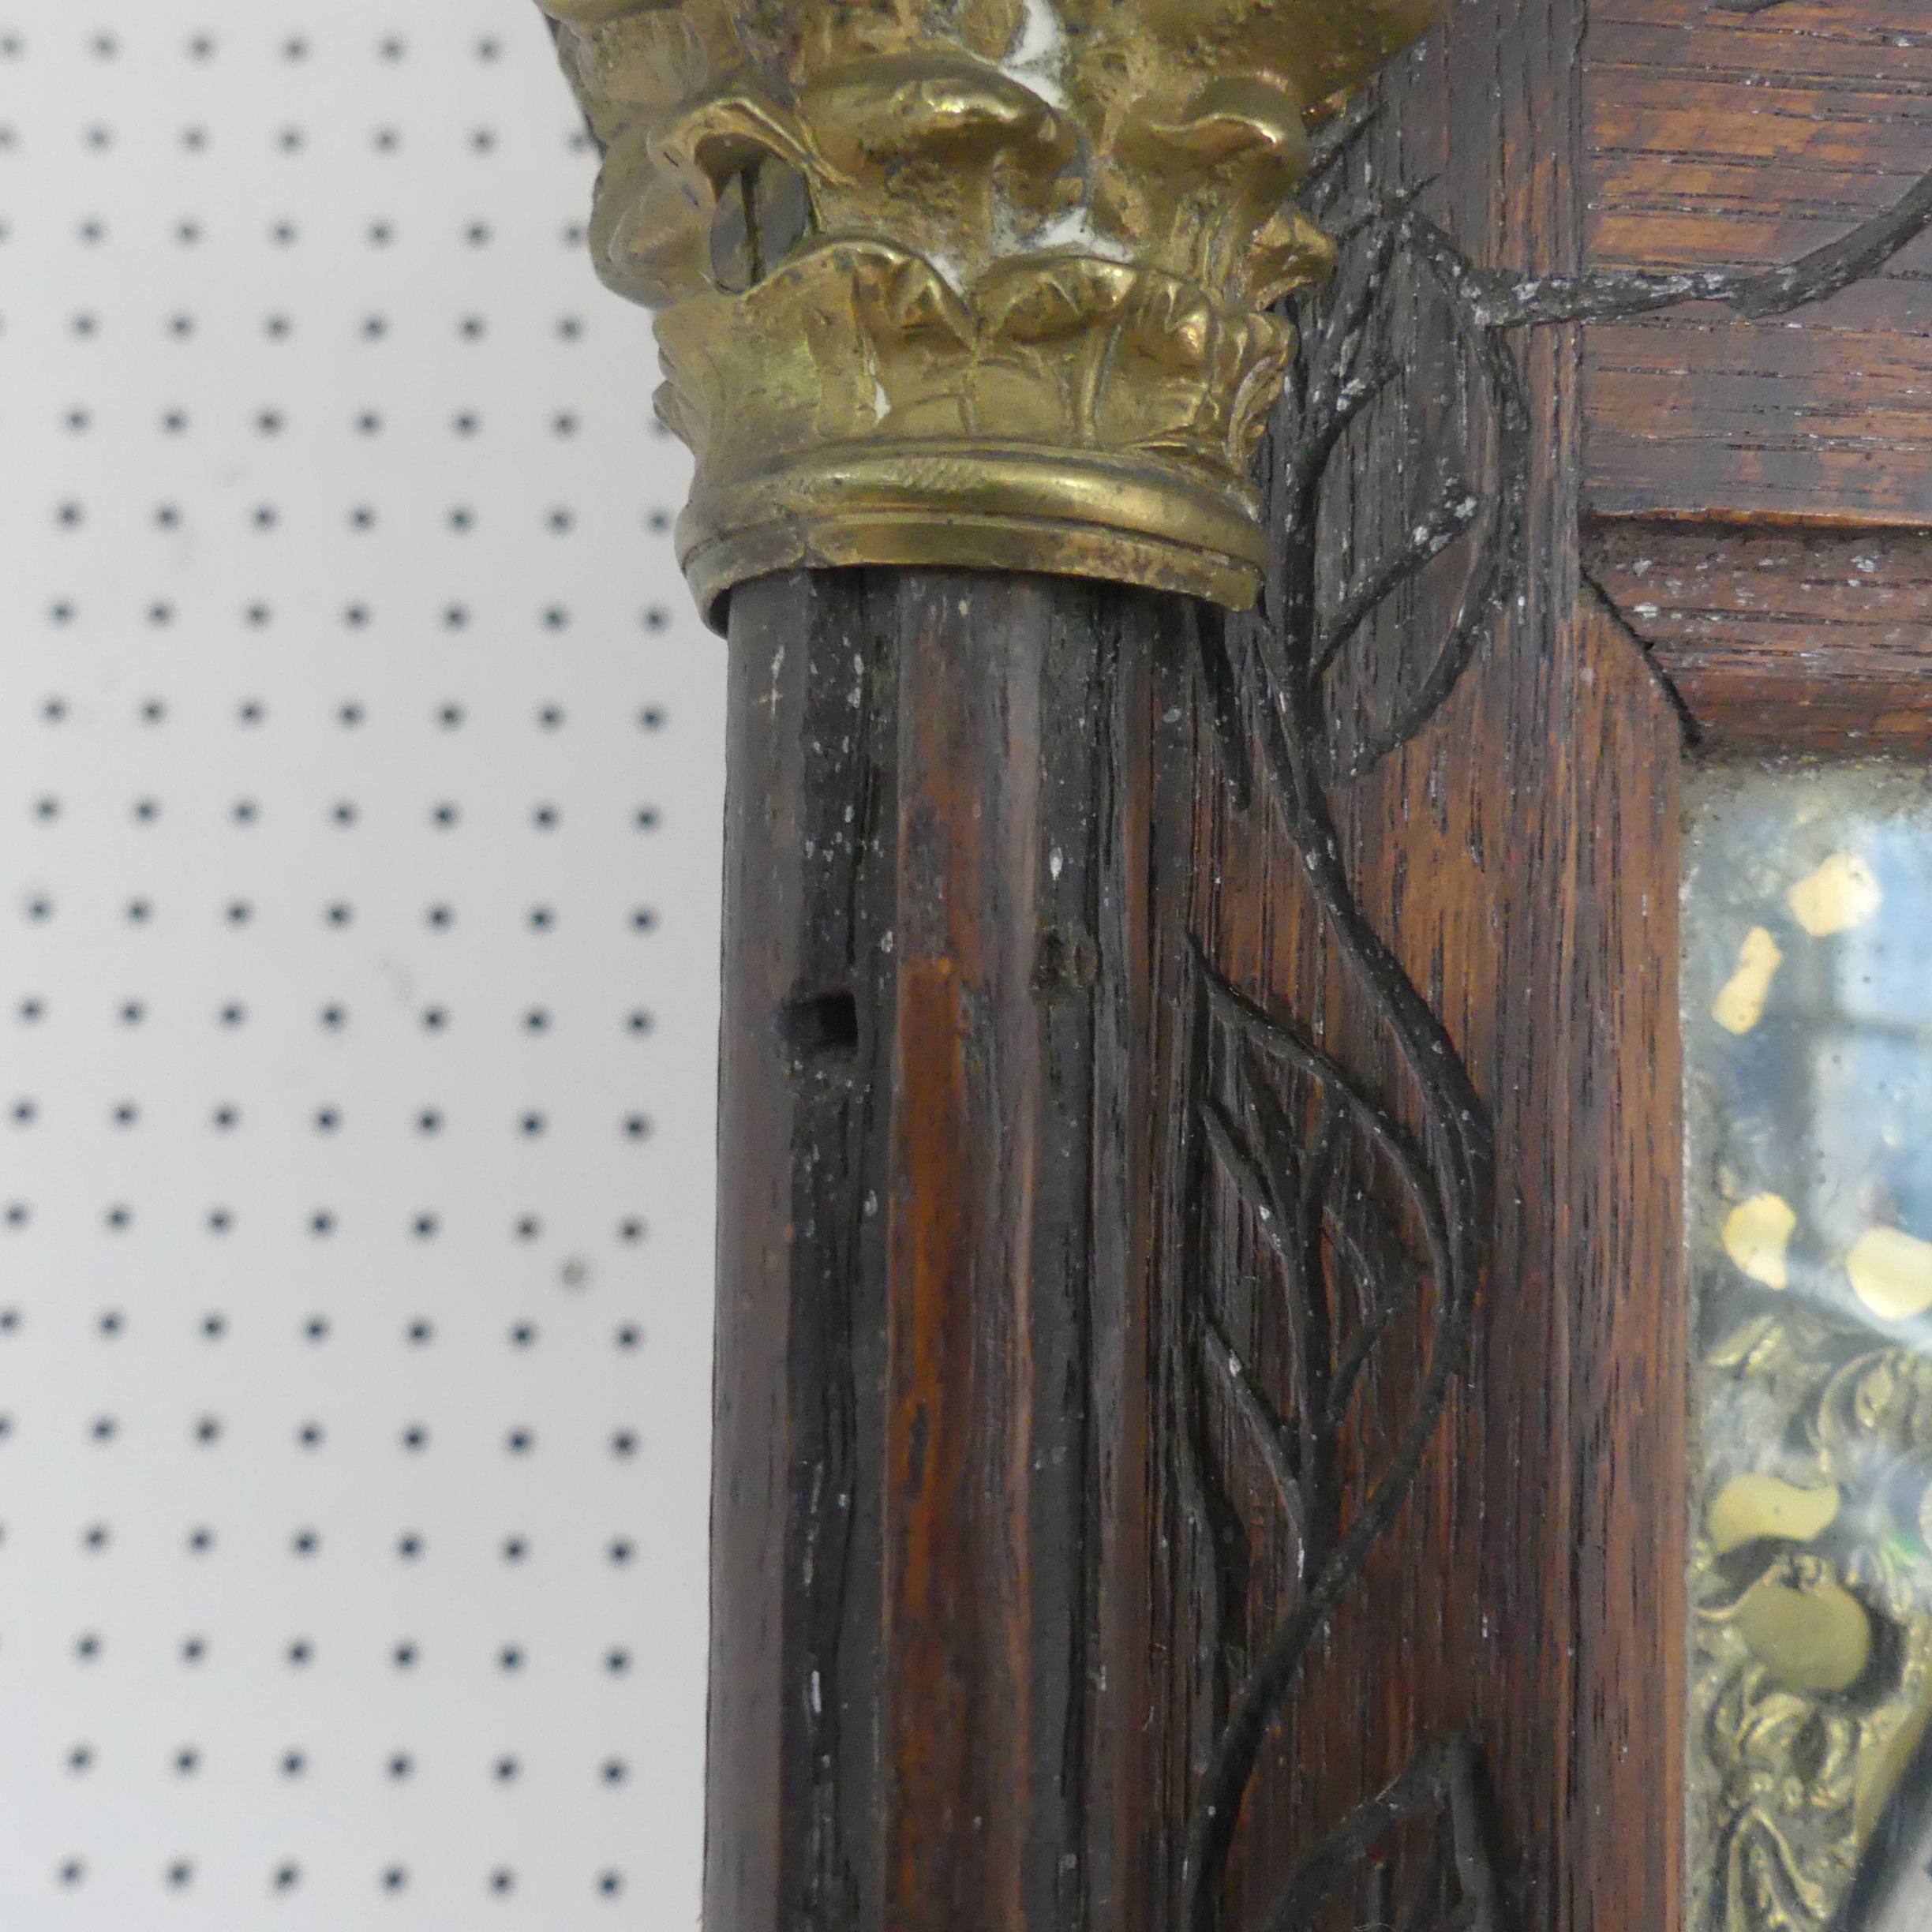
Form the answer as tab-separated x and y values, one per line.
1817	1639
1892	1271
1751	1507
1840	894
1757	1235
1808	1122
1740	1005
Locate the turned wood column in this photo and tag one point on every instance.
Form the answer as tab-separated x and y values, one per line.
933	1220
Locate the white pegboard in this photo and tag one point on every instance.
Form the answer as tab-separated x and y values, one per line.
360	781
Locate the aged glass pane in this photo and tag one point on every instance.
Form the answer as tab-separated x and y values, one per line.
1807	994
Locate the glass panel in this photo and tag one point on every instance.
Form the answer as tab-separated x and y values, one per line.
1808	1032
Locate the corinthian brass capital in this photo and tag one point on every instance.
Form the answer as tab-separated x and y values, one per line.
976	283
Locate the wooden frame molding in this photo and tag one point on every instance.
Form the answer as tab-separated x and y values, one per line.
1795	639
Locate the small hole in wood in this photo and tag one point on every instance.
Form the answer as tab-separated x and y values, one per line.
821	1026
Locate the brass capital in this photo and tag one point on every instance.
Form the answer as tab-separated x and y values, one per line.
979	282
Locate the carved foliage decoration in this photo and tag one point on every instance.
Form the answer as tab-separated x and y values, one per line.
1365	1214
1366	1218
995	282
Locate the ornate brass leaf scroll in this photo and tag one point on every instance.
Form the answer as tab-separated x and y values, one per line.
979	283
1809	1019
1812	1671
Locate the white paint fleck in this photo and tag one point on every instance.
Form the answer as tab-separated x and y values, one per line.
1038	58
885	943
1056	863
1075	231
881	402
1038	61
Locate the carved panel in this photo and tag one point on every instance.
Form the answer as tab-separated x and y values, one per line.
1367	1612
1341	1135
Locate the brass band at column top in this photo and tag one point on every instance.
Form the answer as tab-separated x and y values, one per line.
977	283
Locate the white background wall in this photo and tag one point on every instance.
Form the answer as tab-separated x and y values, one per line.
359	798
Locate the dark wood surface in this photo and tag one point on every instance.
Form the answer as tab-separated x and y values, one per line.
1520	854
1730	138
936	1187
996	1555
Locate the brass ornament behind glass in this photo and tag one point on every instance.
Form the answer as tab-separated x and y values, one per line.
976	283
1808	1031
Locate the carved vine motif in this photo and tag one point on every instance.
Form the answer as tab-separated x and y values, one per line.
1368	1224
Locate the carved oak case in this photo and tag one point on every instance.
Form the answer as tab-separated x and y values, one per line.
1231	520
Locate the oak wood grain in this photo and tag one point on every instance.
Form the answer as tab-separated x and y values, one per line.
1521	857
1728	139
978	1628
1788	639
931	1428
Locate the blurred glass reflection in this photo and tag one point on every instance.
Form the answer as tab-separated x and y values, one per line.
1807	992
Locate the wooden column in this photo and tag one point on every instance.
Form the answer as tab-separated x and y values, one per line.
933	1210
